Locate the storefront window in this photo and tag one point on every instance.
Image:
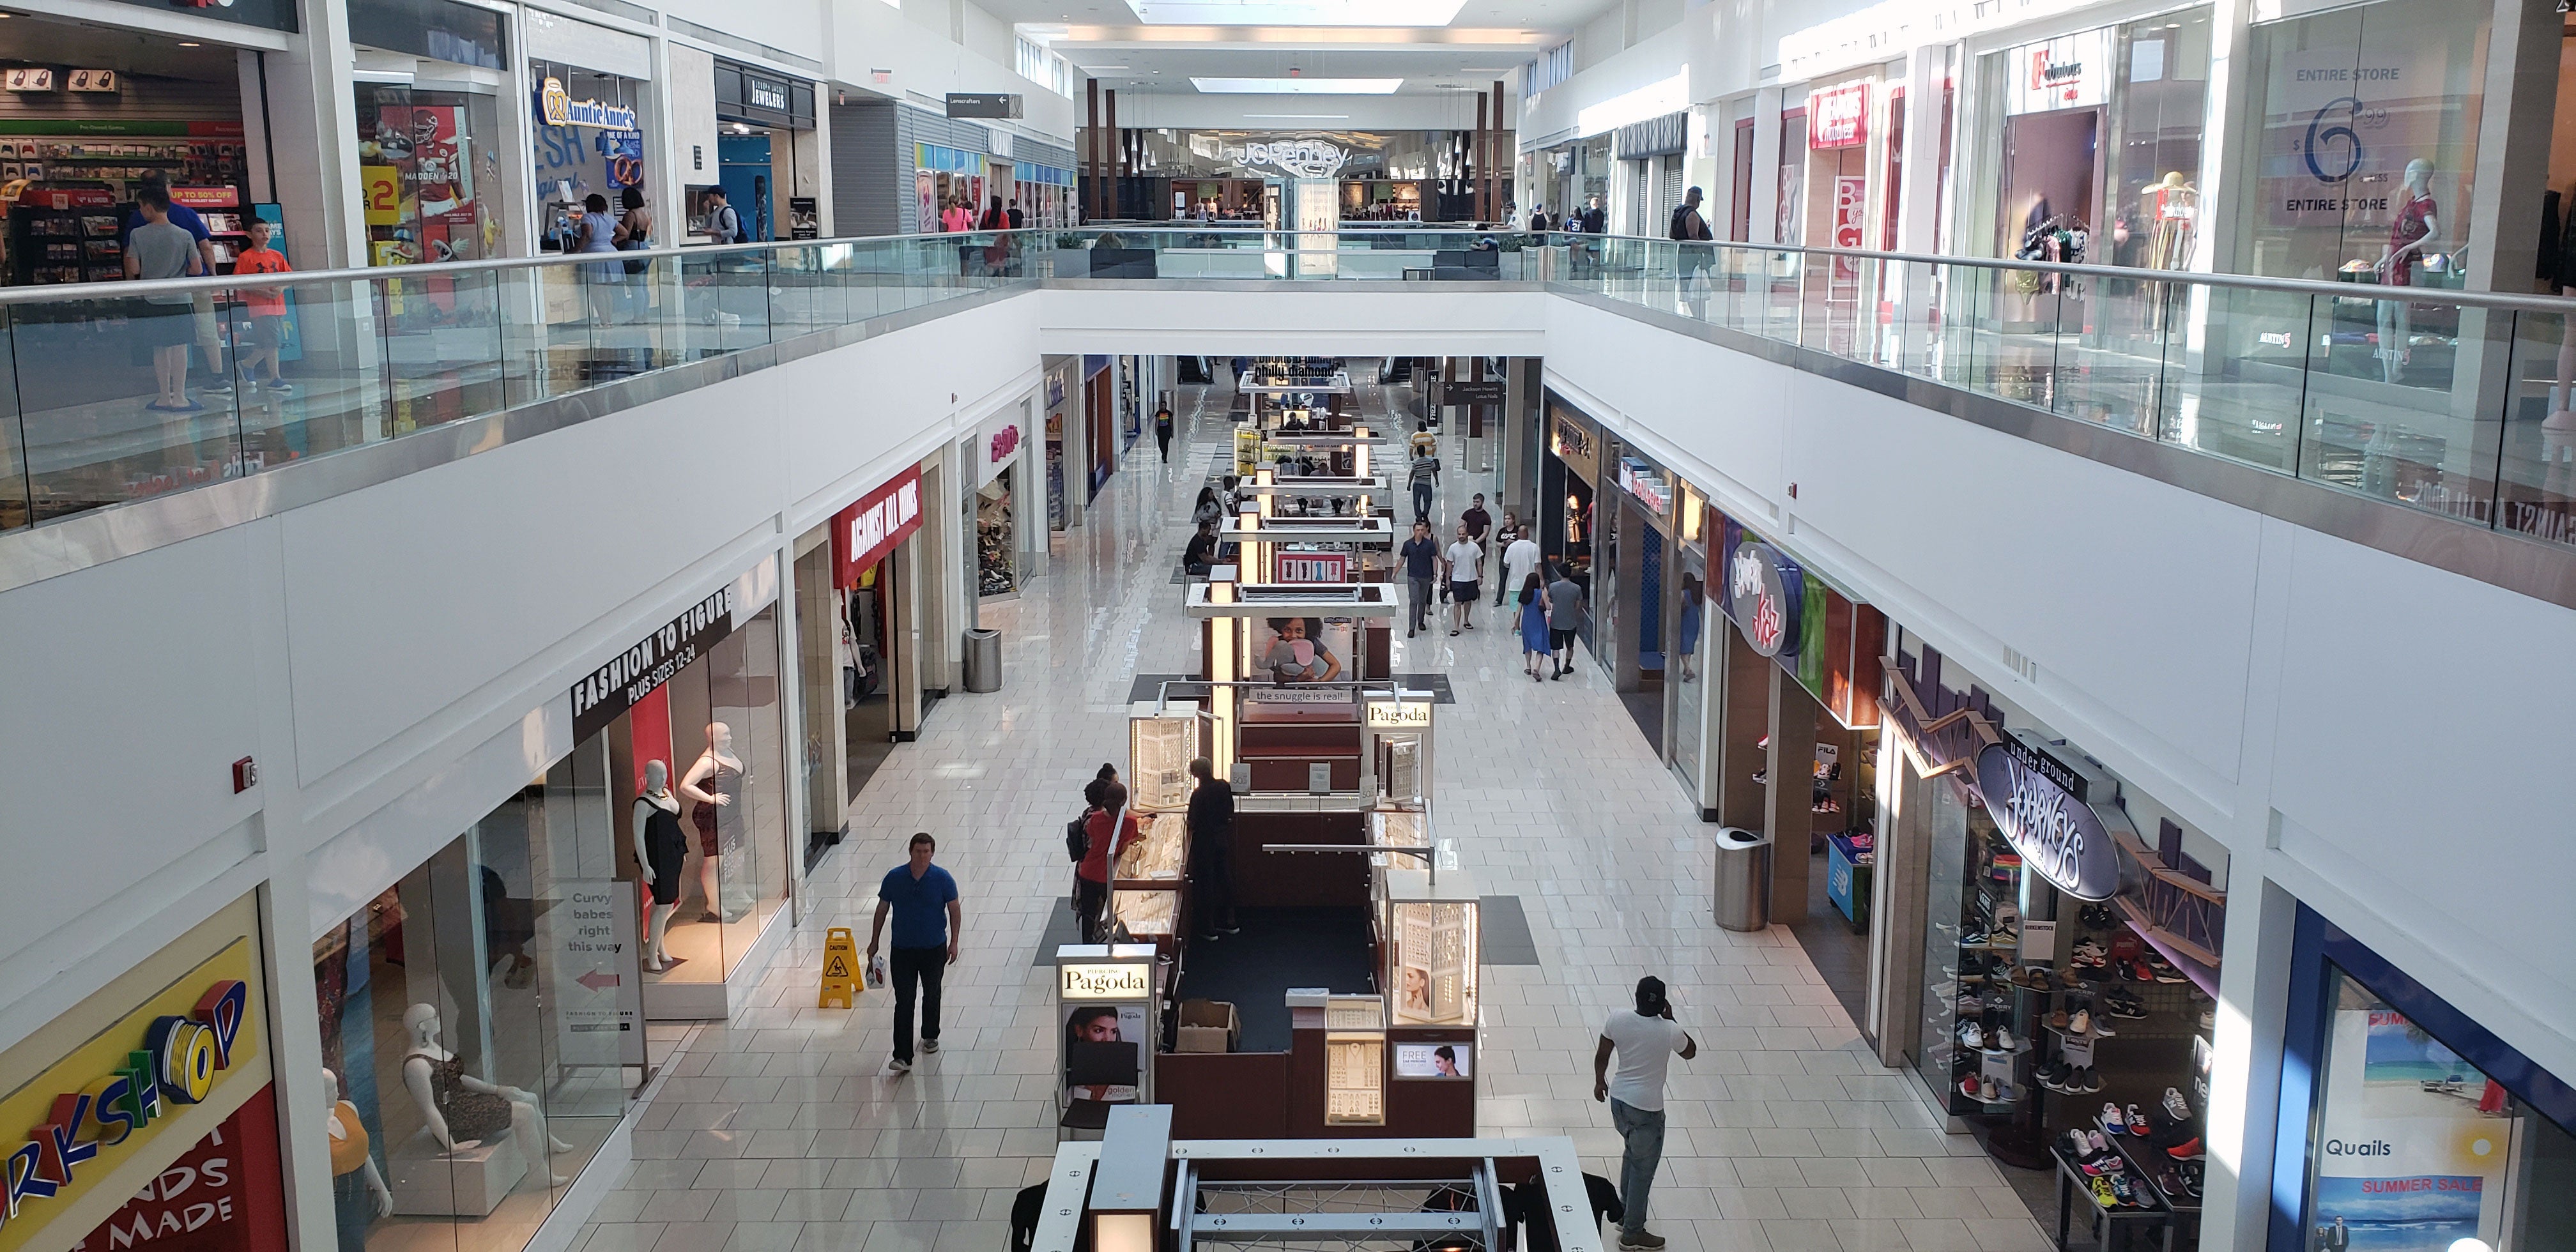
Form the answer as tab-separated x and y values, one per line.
2414	1142
588	140
475	1028
430	172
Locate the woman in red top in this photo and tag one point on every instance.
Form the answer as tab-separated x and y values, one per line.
1091	877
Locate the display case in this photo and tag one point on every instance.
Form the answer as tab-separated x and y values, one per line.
1433	947
1398	727
1355	1061
1150	915
1161	742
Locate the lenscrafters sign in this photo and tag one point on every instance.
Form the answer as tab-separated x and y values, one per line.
650	662
2040	803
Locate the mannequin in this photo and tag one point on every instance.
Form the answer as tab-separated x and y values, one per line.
662	850
461	1110
359	1196
711	786
2410	235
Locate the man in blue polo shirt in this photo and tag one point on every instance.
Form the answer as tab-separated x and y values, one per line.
927	921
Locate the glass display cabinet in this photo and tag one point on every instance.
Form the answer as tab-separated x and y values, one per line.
1355	1061
1432	945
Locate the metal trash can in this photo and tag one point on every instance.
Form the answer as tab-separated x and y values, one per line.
1743	878
984	661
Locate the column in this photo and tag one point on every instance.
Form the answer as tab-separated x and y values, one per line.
1789	799
2245	1070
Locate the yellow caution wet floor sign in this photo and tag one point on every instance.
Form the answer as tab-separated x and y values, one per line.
840	969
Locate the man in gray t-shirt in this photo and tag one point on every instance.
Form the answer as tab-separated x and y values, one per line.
160	248
1564	613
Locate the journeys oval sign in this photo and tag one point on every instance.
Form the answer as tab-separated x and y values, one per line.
1765	594
2038	803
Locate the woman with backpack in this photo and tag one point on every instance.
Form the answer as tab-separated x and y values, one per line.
1108	829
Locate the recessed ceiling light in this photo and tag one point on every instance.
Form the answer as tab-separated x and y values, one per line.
1299	86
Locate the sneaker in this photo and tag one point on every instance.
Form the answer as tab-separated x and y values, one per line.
2102	1193
1968	1087
2081	1023
2170	1183
898	1066
2120	1187
2188	1150
1640	1238
1970	1036
280	387
2092	1079
2137	1121
1999	1039
2175	1107
929	1045
2102	1025
2113	1121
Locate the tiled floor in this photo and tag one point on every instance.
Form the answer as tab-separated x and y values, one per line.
778	1130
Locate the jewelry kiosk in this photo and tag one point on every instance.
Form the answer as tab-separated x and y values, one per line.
1107	1002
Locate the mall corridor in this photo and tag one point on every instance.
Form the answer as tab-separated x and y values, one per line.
781	1130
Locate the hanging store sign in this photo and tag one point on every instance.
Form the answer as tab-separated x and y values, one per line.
2068	72
1766	595
1573	443
1471	391
556	107
2039	803
1647	484
1838	116
1399	715
649	662
1300	158
865	532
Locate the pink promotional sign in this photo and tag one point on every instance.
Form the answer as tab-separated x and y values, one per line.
1838	116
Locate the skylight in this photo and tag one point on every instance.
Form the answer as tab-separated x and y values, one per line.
1298	86
1297	12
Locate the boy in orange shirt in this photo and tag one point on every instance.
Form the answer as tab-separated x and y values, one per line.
267	308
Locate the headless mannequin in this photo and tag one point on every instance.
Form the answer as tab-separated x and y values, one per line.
656	796
375	1178
2399	260
527	1125
695	789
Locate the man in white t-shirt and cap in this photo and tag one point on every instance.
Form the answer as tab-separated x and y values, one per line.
1646	1042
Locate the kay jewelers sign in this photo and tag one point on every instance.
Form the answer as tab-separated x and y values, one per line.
2039	803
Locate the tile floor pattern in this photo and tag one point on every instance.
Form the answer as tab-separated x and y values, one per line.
778	1132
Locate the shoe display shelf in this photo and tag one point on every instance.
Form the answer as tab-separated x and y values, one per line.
2149	1218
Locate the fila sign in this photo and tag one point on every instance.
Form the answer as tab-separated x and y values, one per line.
1766	594
865	532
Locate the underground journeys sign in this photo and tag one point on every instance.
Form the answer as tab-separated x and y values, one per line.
650	662
2039	803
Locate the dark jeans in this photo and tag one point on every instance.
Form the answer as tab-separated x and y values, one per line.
1164	438
1422	501
1212	882
905	968
1088	899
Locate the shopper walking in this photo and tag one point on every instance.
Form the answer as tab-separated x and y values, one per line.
1110	828
1424	479
1696	254
1564	615
1519	558
1479	523
1163	432
1466	563
1421	559
1645	1042
1535	644
1211	875
1692	599
927	921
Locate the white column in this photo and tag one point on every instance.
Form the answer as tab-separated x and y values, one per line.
1765	219
2245	1070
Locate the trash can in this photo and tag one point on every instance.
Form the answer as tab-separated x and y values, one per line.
1743	878
984	662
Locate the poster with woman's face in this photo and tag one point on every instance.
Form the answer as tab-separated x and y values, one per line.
1088	1025
1300	649
1434	1060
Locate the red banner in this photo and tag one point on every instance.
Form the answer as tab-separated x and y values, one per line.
1838	116
225	1195
865	532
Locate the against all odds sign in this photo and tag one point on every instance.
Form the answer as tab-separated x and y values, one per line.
865	532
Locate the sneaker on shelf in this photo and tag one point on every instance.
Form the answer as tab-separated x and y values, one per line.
2121	1188
2113	1121
2092	1079
2187	1150
2088	950
2102	1193
2175	1106
1971	1036
1973	939
1968	1086
2191	1173
2081	1023
2137	1121
2138	971
2102	1025
2053	1075
2059	1019
2169	1182
1999	1040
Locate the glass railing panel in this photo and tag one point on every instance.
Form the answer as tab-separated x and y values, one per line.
2237	378
2402	399
118	398
2536	494
444	350
13	442
796	301
332	363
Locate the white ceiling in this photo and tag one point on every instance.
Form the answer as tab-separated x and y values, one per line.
1489	40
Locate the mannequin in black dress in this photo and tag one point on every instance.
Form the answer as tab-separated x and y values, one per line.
711	786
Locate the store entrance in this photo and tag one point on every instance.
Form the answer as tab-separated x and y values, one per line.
76	145
868	672
2046	211
744	172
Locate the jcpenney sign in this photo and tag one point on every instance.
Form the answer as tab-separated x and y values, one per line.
2039	803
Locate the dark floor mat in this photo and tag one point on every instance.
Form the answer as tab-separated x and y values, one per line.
1060	930
1841	957
1148	687
1279	949
1507	932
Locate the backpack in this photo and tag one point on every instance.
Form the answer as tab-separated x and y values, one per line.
728	225
1077	837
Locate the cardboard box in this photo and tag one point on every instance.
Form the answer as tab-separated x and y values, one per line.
1207	1026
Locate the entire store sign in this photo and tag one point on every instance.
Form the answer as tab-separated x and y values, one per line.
91	1110
1838	116
556	107
2039	803
865	532
1766	592
1106	982
648	663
